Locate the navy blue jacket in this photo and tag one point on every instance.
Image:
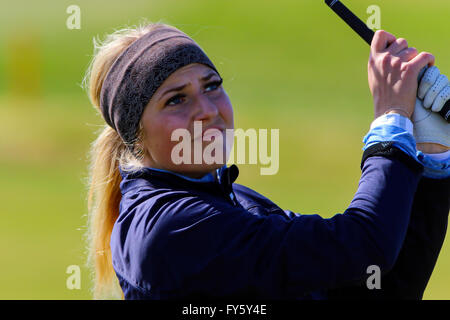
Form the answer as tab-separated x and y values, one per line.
176	238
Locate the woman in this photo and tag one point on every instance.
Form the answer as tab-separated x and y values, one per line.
169	230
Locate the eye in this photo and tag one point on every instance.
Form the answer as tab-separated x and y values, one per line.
174	99
215	84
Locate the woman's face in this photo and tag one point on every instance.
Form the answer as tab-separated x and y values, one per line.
201	98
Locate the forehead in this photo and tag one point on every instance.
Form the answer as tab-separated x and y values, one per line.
195	70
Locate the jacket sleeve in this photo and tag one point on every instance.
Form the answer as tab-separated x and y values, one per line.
425	236
218	252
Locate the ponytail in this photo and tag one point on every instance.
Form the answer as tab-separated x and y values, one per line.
103	206
107	153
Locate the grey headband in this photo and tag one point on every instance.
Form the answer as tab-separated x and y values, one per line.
139	71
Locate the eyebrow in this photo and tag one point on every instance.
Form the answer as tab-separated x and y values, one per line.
205	78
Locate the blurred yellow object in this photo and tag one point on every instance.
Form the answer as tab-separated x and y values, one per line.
24	64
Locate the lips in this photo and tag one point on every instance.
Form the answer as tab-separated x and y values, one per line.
209	131
212	132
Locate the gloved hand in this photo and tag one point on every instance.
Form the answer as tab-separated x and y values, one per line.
434	89
434	92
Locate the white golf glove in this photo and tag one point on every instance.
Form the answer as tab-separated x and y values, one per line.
433	93
434	89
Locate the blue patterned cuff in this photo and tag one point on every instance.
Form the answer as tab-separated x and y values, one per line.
436	166
399	130
395	128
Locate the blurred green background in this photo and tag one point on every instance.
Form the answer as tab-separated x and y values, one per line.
287	64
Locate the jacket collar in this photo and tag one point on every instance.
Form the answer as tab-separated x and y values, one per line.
163	178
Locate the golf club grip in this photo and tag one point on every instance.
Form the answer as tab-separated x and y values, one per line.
367	34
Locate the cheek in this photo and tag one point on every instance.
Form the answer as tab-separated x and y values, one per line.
226	110
159	134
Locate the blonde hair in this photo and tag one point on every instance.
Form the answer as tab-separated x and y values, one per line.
107	153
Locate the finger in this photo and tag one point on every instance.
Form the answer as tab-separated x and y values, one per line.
422	71
407	54
398	45
381	40
428	79
417	63
441	99
437	87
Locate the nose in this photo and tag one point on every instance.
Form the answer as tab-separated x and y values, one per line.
206	109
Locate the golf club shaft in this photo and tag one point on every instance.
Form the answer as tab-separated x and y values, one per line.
353	21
